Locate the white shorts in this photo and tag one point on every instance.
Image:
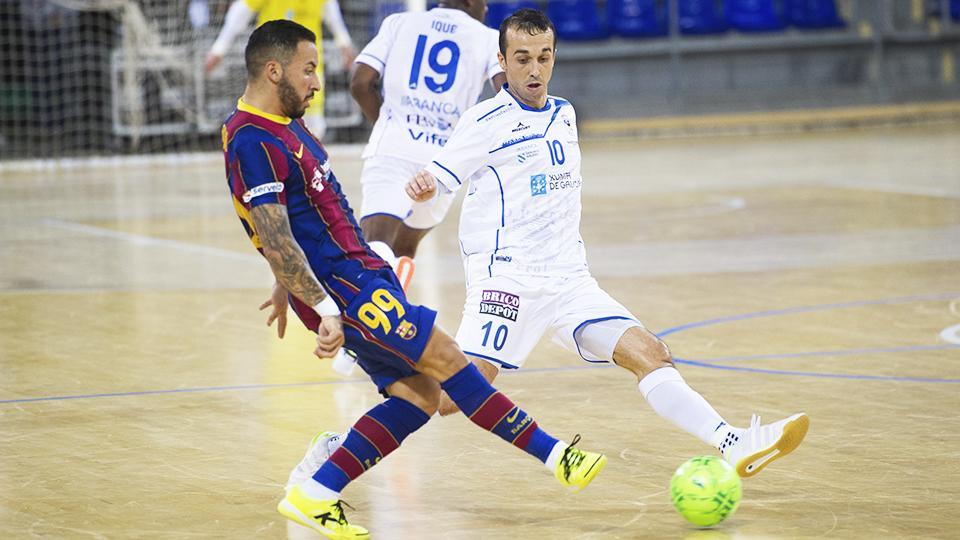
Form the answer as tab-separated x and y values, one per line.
383	179
504	318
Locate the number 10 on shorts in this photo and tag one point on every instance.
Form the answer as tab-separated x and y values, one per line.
499	335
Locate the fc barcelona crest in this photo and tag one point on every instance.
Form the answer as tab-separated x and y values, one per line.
406	330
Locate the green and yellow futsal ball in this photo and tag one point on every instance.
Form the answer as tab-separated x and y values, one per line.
705	490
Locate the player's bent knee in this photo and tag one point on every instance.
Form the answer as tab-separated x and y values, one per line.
421	391
442	358
642	352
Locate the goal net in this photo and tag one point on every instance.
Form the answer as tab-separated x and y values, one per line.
110	77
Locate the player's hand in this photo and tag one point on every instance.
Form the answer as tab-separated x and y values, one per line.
421	187
279	300
329	337
213	60
349	54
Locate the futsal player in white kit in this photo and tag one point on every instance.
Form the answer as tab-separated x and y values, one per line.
414	80
519	156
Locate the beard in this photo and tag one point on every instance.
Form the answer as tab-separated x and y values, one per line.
293	105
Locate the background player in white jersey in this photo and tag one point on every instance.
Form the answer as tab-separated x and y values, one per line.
525	261
413	81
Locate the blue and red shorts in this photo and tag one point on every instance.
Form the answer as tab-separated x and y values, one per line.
385	331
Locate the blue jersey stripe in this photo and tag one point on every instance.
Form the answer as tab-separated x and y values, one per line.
491	112
448	172
502	220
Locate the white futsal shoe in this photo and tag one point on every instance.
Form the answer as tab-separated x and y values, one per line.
320	449
759	445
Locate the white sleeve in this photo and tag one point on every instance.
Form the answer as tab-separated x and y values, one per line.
466	151
333	18
238	18
493	63
376	52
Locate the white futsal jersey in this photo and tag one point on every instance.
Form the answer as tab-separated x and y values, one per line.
433	66
521	214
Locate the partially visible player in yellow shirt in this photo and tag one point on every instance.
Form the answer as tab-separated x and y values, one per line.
309	13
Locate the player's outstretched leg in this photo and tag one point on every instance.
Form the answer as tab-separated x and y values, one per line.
748	450
493	411
315	502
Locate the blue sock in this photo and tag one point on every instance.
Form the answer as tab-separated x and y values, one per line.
493	411
375	435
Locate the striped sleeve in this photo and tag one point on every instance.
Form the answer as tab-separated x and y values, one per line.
262	167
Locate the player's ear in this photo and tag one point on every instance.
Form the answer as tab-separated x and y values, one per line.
502	60
273	71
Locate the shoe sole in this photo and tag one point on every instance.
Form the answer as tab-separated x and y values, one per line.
793	433
592	473
289	511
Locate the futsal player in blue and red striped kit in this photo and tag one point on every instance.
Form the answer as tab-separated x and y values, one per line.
296	215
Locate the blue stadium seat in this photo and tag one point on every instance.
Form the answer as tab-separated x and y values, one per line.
576	20
754	15
498	11
638	18
813	14
955	9
700	17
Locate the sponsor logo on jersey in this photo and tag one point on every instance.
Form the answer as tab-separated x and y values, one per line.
520	127
428	138
428	122
429	105
538	185
406	330
526	153
263	189
498	113
563	181
500	304
317	181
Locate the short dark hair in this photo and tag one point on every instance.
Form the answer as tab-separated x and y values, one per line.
531	21
274	40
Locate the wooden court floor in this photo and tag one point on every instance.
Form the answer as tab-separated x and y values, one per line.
142	396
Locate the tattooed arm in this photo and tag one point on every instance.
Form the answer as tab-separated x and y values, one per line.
290	267
287	260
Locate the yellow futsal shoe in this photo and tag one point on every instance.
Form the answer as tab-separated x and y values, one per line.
577	468
761	444
324	516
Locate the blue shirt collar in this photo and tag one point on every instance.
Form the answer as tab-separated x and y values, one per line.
521	104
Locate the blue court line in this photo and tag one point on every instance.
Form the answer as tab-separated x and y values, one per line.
841	352
181	391
714	362
255	386
805	309
813	373
706	363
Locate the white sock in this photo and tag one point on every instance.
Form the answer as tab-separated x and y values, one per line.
671	398
316	490
384	251
555	455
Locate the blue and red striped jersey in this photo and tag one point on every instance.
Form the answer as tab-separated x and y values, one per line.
275	159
